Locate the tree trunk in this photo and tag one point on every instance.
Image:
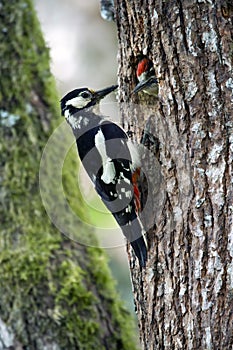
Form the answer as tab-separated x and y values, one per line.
184	296
55	294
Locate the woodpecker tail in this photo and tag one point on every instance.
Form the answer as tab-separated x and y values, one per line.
134	234
140	250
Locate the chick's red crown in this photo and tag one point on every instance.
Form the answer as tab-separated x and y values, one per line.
143	66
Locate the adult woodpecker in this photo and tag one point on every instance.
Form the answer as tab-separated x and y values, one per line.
108	157
148	82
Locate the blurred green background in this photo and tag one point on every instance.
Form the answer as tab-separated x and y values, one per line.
83	49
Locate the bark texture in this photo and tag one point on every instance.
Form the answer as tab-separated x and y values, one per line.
184	298
55	294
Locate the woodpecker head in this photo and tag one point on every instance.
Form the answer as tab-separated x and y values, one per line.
146	77
145	69
83	98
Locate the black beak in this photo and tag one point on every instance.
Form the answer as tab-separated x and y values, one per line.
102	93
143	85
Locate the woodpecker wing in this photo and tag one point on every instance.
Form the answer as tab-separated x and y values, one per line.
114	184
114	178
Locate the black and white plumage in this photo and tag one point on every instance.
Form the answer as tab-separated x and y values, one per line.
105	151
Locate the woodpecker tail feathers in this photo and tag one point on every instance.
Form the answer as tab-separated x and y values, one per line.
134	234
140	250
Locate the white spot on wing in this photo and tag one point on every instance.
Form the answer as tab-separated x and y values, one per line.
128	193
128	209
85	121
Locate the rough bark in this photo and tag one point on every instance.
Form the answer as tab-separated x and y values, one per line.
184	296
55	294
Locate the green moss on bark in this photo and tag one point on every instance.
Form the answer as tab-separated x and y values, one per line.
53	292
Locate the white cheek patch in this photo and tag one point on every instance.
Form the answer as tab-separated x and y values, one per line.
78	102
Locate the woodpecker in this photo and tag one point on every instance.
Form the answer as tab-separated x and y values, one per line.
148	82
110	160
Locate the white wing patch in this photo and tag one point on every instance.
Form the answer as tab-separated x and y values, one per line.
109	171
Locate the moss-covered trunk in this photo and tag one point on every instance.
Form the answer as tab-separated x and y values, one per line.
55	294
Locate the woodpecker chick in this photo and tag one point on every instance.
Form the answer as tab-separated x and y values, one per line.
108	157
148	83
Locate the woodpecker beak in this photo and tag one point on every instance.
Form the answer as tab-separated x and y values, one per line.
102	93
149	84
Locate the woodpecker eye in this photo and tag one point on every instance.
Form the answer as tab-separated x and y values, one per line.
85	94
